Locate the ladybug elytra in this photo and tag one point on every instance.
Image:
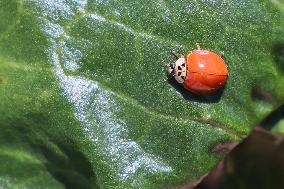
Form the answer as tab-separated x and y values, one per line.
202	71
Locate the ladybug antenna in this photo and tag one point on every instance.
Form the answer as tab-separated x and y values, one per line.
177	55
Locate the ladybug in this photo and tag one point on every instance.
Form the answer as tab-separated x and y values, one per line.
202	71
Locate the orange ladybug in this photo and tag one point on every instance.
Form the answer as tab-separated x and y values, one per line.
202	71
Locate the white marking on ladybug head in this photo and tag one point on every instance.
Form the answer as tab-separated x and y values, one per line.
180	70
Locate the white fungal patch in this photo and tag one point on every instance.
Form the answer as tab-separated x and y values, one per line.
96	110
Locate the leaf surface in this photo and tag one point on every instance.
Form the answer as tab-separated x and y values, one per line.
84	100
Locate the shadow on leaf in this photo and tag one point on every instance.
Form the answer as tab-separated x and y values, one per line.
64	160
278	52
187	95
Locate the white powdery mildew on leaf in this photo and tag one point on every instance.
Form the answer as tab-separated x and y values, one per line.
97	17
96	109
55	9
70	57
52	30
80	5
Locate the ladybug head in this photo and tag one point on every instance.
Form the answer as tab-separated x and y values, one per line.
178	70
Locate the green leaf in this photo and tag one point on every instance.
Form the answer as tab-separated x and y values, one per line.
279	128
83	97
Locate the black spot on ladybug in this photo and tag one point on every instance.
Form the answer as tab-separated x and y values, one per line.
183	64
179	73
179	68
183	77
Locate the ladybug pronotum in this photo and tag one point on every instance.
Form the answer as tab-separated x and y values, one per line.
202	71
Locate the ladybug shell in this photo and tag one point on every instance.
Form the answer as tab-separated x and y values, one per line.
206	72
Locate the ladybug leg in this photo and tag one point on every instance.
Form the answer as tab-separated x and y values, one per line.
177	55
222	54
197	46
170	70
